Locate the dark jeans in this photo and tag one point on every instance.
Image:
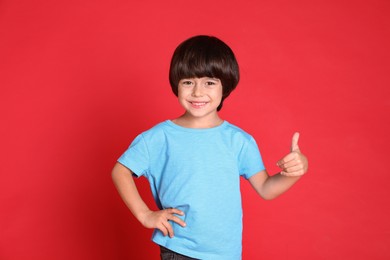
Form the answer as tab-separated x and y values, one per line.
167	254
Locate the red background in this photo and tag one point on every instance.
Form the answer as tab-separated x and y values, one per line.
80	79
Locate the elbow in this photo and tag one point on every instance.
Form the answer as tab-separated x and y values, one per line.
269	195
266	194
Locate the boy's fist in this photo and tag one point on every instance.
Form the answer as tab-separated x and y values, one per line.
294	163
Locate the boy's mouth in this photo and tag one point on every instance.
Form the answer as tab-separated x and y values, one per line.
198	104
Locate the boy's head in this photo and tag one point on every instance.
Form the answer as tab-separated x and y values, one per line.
204	56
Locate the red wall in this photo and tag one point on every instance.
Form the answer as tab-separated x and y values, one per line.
80	79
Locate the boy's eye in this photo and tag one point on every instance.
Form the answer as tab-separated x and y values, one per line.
210	83
186	82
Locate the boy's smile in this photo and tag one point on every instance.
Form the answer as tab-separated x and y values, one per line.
198	105
200	97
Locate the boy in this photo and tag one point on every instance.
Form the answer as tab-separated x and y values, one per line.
194	162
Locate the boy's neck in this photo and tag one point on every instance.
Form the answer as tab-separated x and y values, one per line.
194	122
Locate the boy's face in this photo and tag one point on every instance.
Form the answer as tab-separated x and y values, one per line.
200	97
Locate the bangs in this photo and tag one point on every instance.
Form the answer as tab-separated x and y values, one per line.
198	66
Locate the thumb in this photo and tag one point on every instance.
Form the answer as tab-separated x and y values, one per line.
294	144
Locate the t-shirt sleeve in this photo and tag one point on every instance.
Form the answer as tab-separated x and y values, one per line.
136	157
250	161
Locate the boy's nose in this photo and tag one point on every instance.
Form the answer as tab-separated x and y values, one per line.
197	91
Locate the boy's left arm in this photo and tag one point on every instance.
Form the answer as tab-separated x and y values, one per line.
293	166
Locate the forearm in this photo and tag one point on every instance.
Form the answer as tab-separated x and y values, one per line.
124	183
270	187
276	185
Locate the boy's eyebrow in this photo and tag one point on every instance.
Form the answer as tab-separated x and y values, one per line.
216	79
212	78
208	78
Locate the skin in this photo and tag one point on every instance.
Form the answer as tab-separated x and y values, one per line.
200	98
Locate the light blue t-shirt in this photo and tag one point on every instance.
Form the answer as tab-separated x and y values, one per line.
197	171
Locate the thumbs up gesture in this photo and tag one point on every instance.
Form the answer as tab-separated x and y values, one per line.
294	163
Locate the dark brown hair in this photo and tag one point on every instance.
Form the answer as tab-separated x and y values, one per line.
205	56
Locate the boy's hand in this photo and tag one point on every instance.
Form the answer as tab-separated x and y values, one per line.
295	163
160	220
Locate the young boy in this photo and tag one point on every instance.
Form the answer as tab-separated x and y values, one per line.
194	162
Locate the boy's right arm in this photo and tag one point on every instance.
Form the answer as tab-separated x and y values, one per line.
124	183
